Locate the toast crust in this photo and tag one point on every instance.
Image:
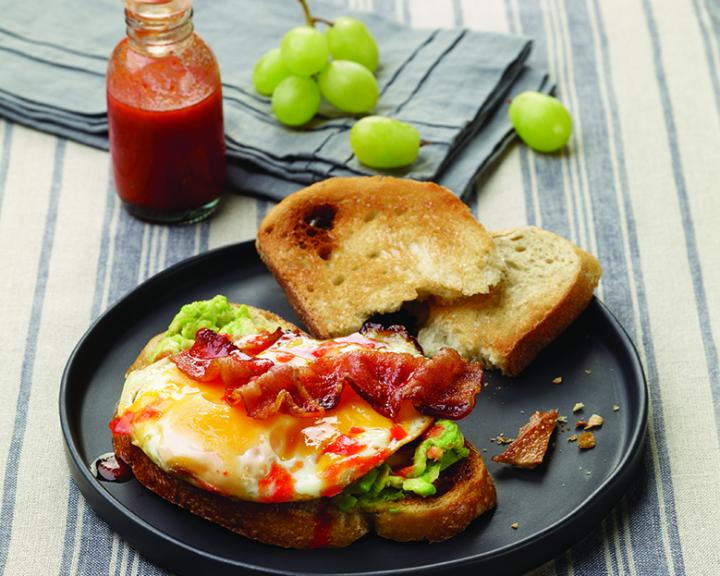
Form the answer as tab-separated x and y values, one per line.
300	524
347	248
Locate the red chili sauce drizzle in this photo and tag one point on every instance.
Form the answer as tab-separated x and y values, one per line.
277	485
111	469
358	464
123	424
323	528
344	446
397	432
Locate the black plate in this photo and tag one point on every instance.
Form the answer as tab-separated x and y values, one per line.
554	505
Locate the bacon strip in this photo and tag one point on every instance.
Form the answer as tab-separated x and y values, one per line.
380	378
444	386
262	341
197	361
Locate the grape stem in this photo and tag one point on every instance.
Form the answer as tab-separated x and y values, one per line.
426	142
311	20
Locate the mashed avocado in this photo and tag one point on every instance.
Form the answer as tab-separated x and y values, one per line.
442	446
217	314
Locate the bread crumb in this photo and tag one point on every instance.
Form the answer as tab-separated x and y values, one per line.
578	406
580	424
588	472
557	380
562	419
588	371
616	407
572	438
595	421
586	440
502	439
514	525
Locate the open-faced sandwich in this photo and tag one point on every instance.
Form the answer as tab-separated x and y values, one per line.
242	418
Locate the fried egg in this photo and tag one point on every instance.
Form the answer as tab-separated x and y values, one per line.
187	429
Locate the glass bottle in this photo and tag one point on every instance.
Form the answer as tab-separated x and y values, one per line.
165	116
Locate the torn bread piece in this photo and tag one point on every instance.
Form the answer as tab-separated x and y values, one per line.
548	282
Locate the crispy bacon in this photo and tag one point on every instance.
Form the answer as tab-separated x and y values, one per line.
198	360
444	386
380	378
237	369
528	449
261	341
277	390
214	356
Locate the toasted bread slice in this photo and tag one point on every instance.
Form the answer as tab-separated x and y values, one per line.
466	491
548	282
347	248
471	492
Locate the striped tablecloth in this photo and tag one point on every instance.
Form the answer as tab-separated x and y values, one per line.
638	186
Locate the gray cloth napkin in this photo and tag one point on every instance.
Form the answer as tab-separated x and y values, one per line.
451	84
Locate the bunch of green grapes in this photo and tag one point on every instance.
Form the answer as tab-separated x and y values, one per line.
337	65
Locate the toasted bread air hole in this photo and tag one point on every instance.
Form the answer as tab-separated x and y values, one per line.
269	229
338	280
315	230
374	254
321	217
520	248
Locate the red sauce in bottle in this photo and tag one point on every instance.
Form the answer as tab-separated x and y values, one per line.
165	115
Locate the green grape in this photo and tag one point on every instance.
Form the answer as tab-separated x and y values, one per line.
349	39
541	121
296	100
348	86
304	50
269	71
381	142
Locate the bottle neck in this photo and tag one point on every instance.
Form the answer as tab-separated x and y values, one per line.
158	27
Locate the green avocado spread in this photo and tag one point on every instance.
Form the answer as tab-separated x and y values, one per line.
442	446
217	314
